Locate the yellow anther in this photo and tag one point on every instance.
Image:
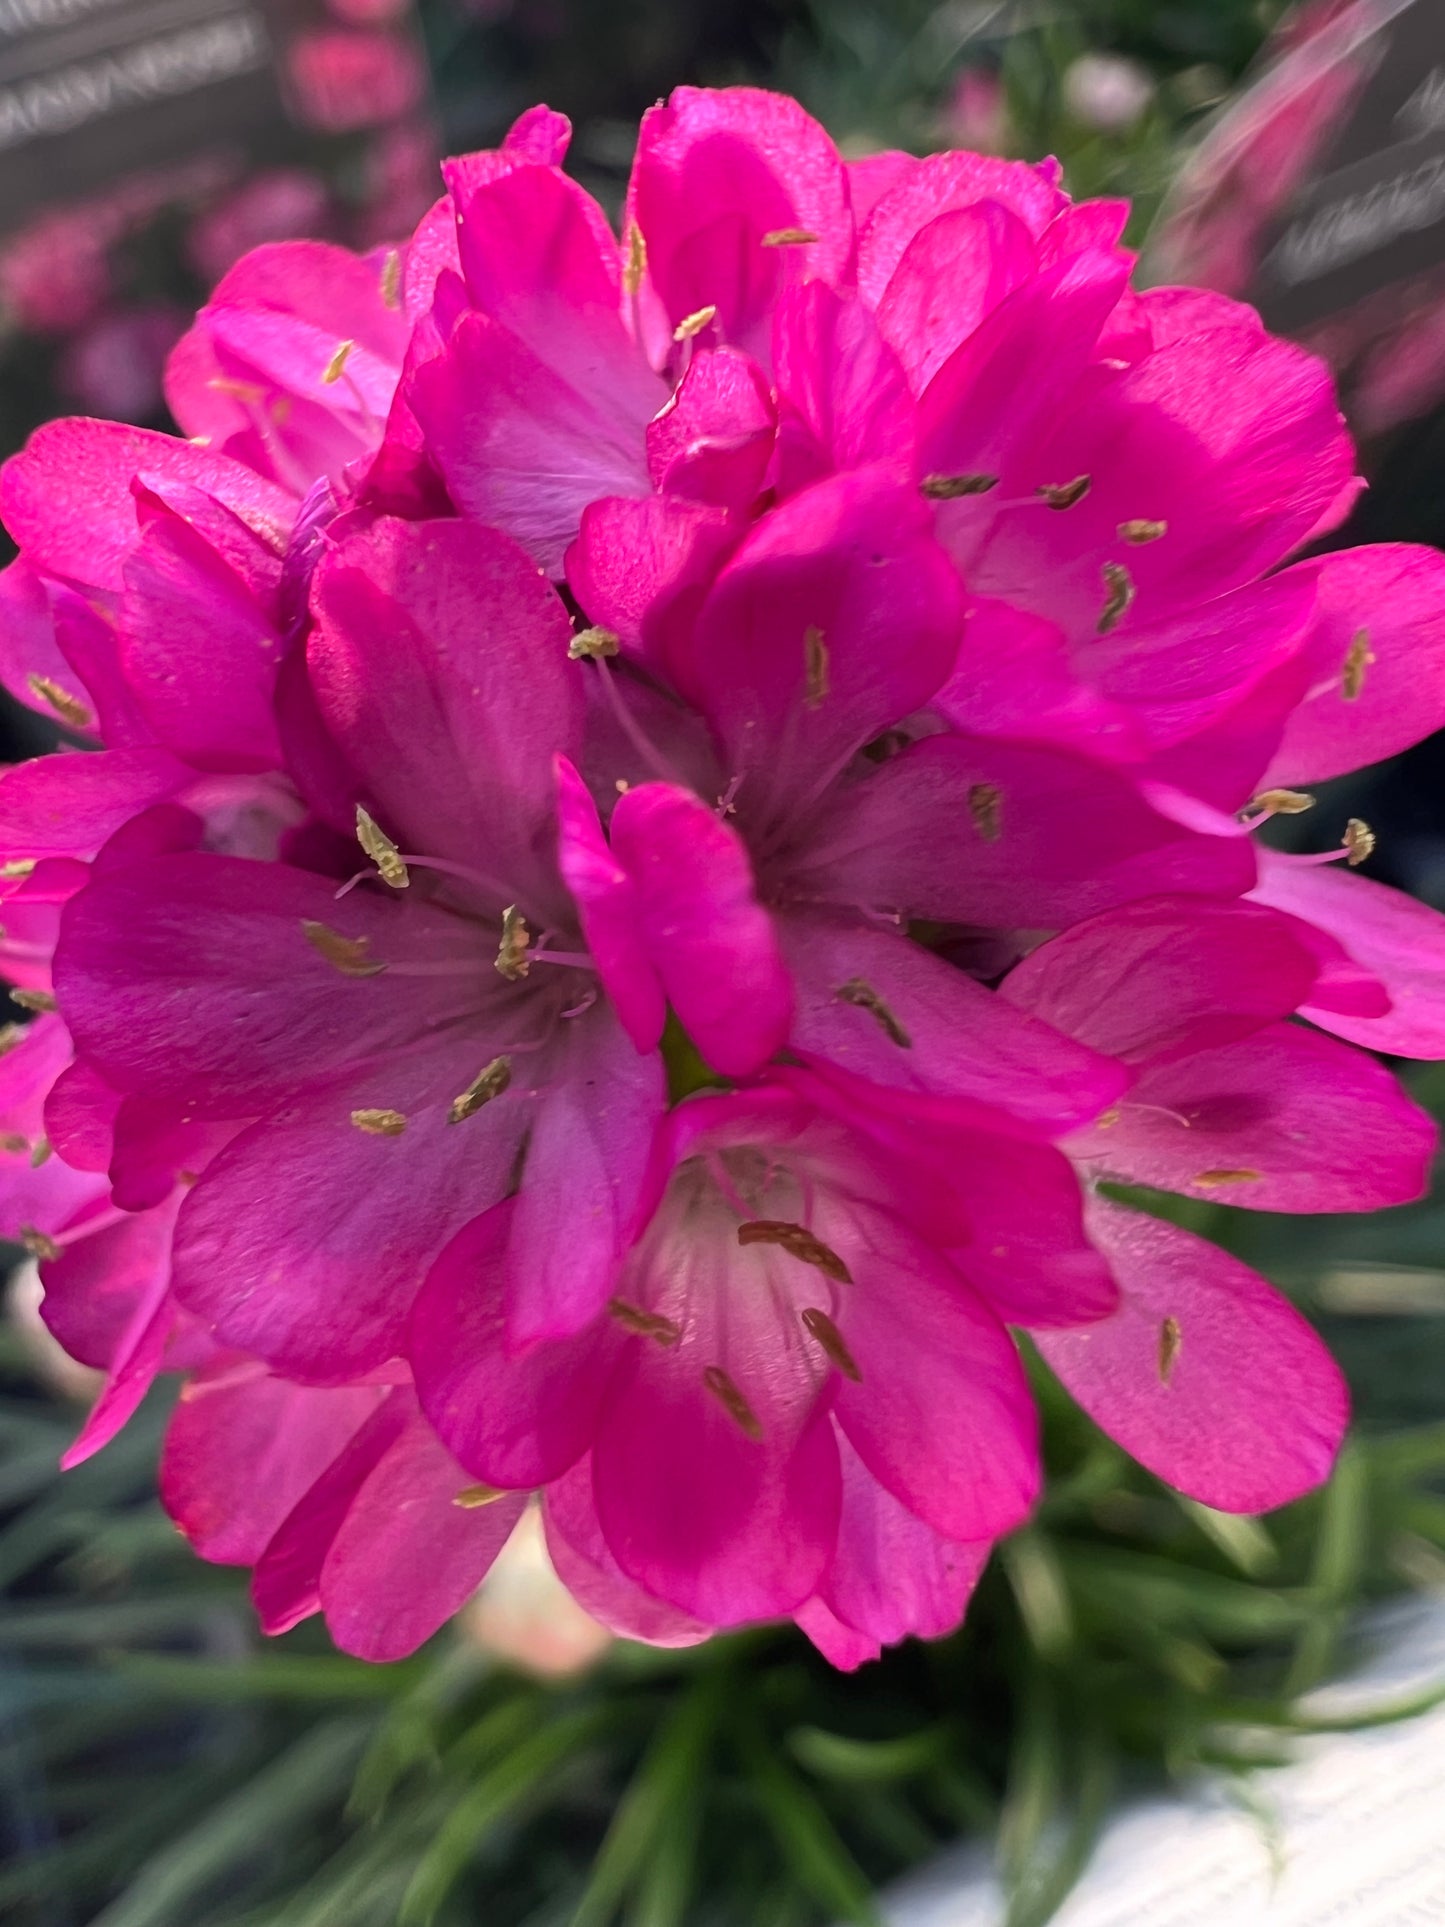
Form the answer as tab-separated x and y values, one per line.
486	1085
22	867
380	1123
10	1036
38	1243
246	391
948	488
336	367
1359	840
350	955
815	660
70	709
1283	802
15	1144
727	1394
472	1497
1213	1180
382	851
985	806
512	951
789	237
636	265
694	323
40	1152
644	1324
1119	585
1063	495
1358	658
391	280
1170	1340
34	1000
799	1243
820	1327
590	645
862	996
1141	531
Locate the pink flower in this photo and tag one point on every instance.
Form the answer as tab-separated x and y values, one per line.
279	204
649	1047
114	367
344	79
55	273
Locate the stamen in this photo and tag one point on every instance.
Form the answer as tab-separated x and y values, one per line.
10	1036
985	806
1358	658
380	1123
336	367
34	1000
644	1324
15	1144
1359	842
40	1153
815	656
391	280
244	391
1141	531
592	644
382	851
22	867
512	951
1212	1180
1120	586
948	488
70	709
799	1243
861	994
472	1497
350	955
820	1327
1063	495
789	237
488	1084
694	323
726	1392
636	265
1170	1340
1283	802
39	1244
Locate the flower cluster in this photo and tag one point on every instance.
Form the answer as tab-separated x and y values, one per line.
649	821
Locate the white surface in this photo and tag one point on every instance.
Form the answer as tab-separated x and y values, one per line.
1360	1829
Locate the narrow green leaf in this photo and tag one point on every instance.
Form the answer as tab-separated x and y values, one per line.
816	1858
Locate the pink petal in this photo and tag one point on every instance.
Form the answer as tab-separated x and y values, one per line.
1386	604
610	907
515	1419
407	1556
1286	1120
642	569
139	1248
953	273
708	938
713	440
1237	1403
440	665
70	804
1399	942
28	644
938	186
587	1568
244	1447
842	389
1154	980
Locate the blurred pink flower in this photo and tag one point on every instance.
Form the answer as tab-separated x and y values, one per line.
345	79
281	204
115	366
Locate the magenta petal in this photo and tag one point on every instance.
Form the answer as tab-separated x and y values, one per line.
243	1448
440	665
892	1575
844	395
938	186
838	616
586	1567
608	903
1169	975
137	1361
713	440
1401	944
28	644
1286	1120
407	1555
69	804
112	1290
67	498
515	1420
953	273
1377	661
839	1644
947	1033
979	832
643	568
727	1528
1237	1403
710	941
307	1240
286	1586
942	1416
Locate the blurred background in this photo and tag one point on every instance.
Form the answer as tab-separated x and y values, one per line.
159	1765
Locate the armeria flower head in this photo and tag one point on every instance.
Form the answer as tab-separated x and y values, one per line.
649	1044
